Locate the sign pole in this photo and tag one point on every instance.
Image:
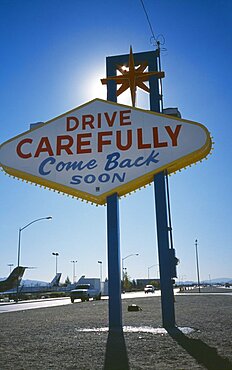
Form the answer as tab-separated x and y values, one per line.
167	296
113	237
113	234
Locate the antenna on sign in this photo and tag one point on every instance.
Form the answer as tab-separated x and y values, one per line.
156	41
148	20
160	39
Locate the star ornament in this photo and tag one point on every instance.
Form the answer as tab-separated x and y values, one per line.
132	77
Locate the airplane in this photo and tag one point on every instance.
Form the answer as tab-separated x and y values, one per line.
53	286
9	285
13	279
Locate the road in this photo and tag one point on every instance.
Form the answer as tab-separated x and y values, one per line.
30	305
43	303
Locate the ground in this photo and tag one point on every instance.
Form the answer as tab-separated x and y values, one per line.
53	338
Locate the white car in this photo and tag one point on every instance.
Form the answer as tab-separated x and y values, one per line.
149	289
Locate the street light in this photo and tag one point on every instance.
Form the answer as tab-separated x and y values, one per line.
130	255
198	273
100	263
74	274
148	269
10	265
56	255
124	271
19	245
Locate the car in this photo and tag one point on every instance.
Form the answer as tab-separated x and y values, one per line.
149	289
84	292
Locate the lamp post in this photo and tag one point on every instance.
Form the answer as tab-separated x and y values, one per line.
10	265
56	255
197	263
210	282
148	270
130	255
100	264
19	246
124	271
123	259
74	274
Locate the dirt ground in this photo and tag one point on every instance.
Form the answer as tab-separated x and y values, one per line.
53	338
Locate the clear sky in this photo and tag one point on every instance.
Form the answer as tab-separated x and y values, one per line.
52	58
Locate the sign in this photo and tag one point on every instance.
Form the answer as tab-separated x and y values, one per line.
101	148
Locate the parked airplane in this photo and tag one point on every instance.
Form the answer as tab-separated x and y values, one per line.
13	279
8	287
53	286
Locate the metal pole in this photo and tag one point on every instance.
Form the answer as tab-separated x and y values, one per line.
123	268
198	273
19	248
56	255
100	263
74	272
123	274
115	305
169	211
113	232
167	296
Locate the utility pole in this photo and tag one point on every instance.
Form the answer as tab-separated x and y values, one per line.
74	272
56	255
198	273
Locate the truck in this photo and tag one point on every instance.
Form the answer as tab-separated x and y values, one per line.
85	292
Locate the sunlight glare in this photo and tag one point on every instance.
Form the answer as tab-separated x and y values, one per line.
94	88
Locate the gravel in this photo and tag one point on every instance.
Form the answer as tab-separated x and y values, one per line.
56	337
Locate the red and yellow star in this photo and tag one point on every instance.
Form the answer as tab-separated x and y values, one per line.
132	77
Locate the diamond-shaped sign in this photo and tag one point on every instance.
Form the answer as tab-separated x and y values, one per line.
101	148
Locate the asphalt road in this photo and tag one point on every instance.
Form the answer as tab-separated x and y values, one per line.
53	302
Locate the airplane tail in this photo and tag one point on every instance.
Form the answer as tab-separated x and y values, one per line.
56	280
13	279
16	275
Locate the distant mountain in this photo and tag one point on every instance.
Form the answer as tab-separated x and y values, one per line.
186	282
31	282
218	281
28	282
211	281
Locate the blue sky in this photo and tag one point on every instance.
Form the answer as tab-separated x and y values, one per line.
52	58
